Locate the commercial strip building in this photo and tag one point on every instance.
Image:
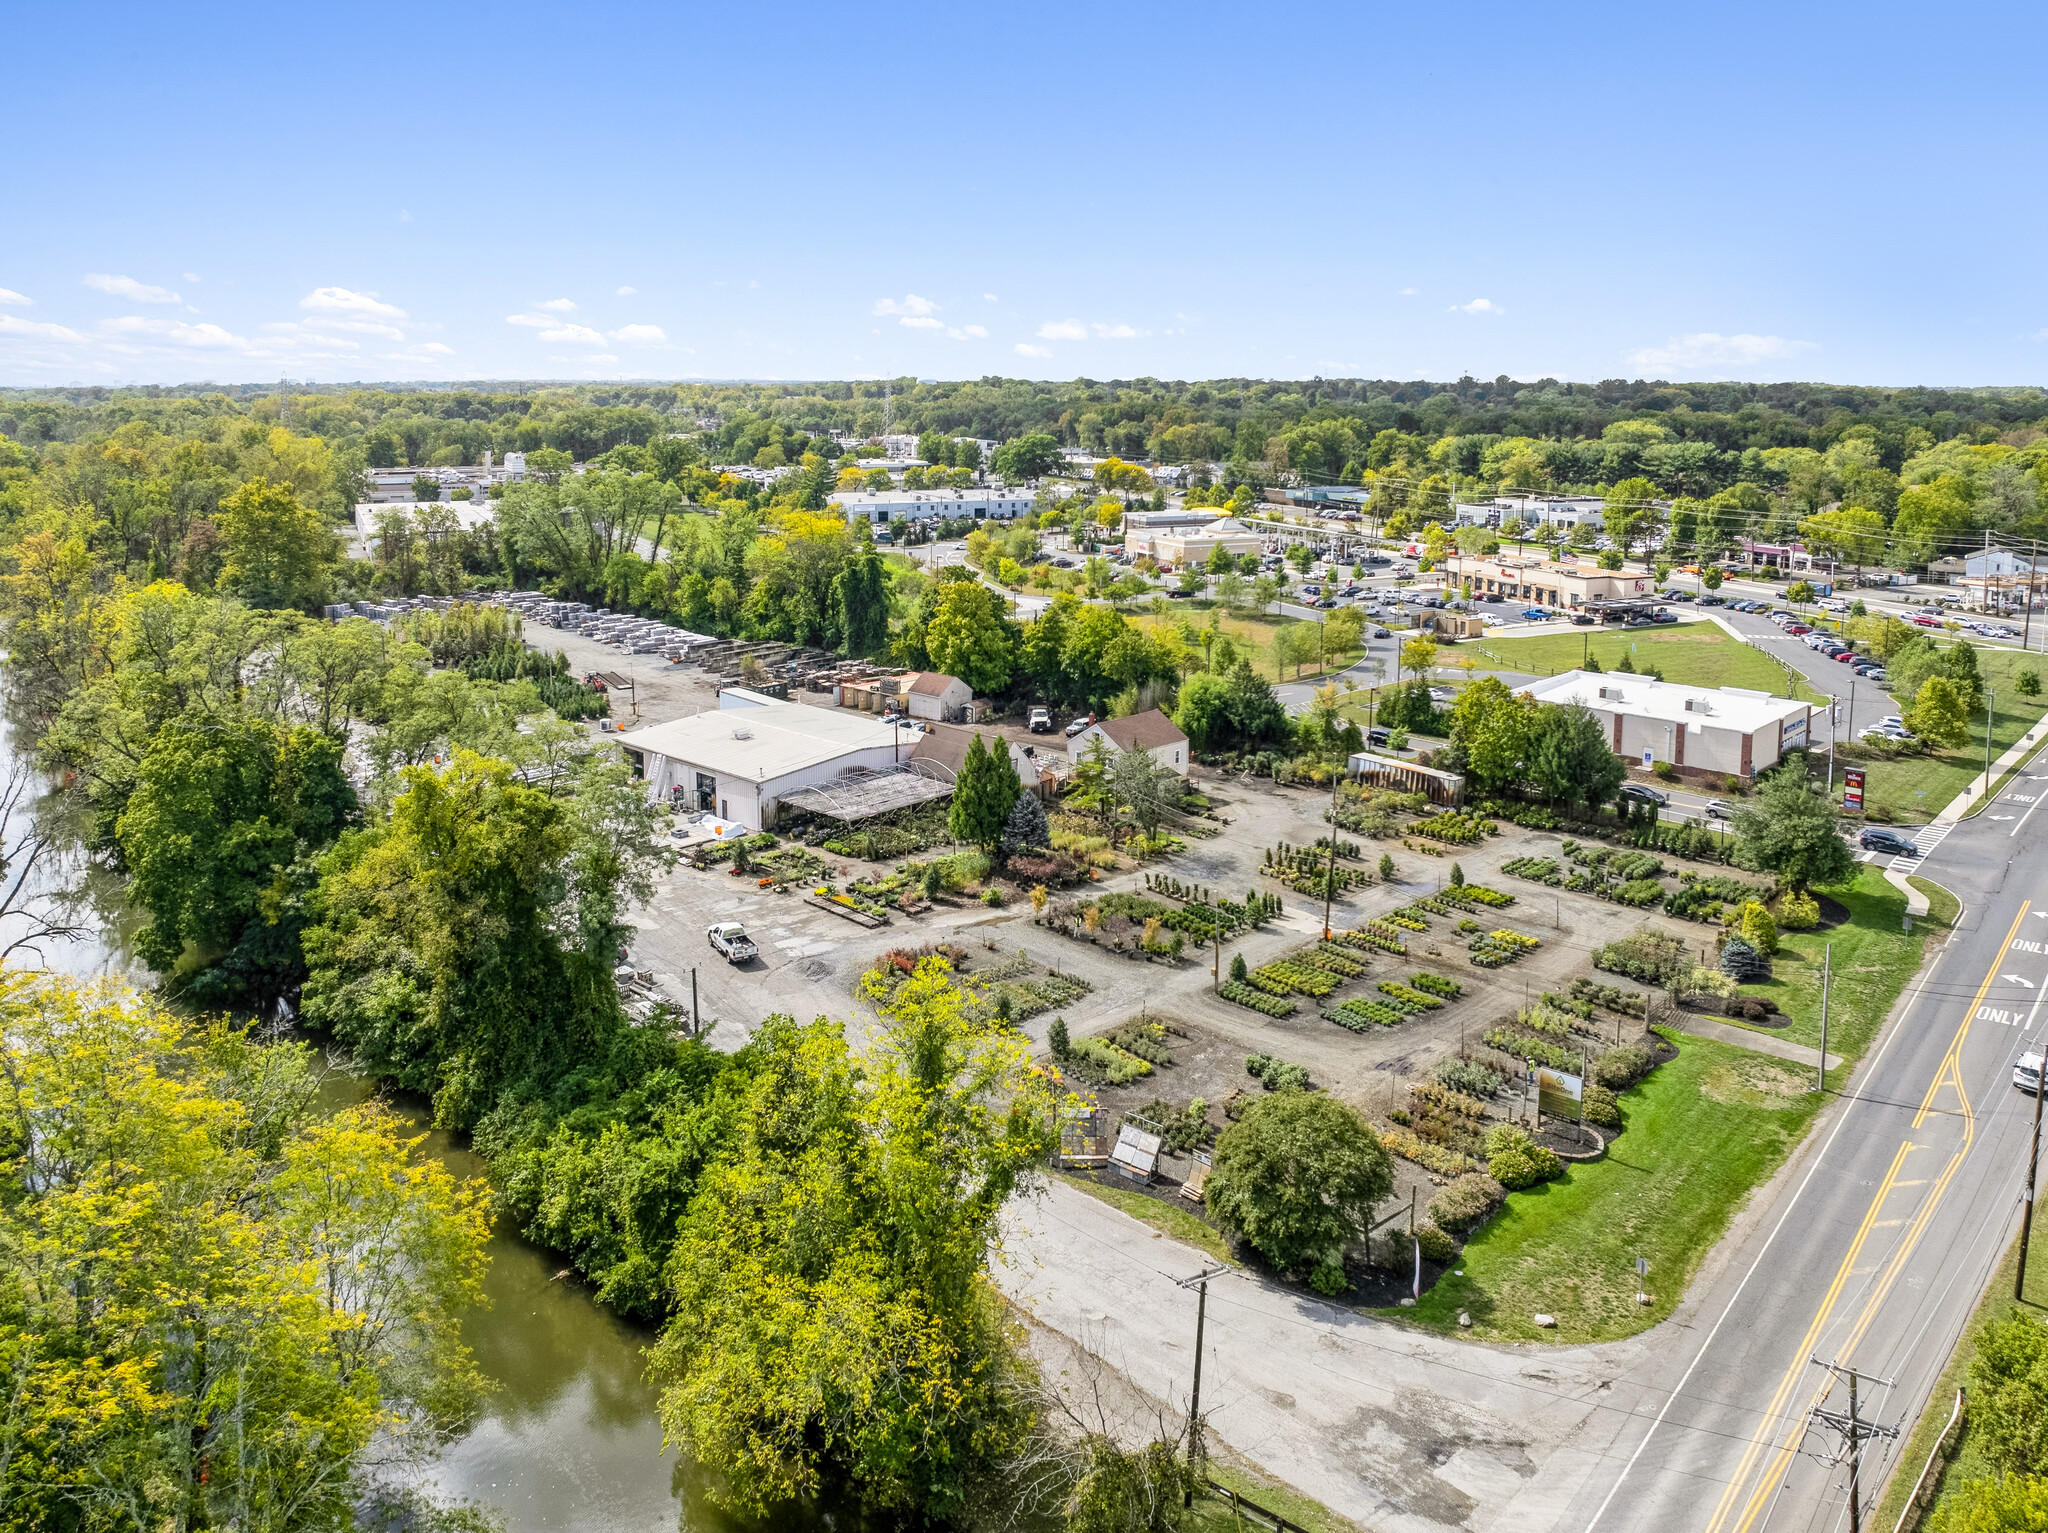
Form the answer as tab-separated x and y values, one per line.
1545	582
1181	538
1530	511
884	506
397	484
1996	580
1735	731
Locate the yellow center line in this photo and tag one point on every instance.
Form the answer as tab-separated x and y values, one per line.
1948	1073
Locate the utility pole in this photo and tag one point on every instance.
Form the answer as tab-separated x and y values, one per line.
1990	718
1827	966
1855	1429
1200	1283
1330	878
2019	1282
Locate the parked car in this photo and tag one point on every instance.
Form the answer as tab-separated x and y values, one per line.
1661	616
1643	795
1843	656
2026	1073
1797	630
1442	695
1377	737
1876	838
1885	732
1536	614
1876	673
1080	724
1583	619
1926	620
1711	600
731	939
1041	721
1891	721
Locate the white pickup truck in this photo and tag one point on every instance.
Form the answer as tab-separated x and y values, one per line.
731	939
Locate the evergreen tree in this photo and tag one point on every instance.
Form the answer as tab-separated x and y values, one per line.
1026	829
983	795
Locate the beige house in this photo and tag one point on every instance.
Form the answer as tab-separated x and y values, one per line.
1152	732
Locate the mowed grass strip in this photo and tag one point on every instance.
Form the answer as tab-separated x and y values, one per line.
1914	789
1703	1131
1177	1223
1697	654
1874	957
1252	635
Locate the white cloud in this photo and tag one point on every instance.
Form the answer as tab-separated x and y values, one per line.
557	305
969	333
325	328
1409	292
921	322
8	295
1024	350
909	303
1061	330
1477	306
11	324
537	321
1686	353
991	297
1118	333
640	335
339	300
128	287
191	276
200	337
573	335
624	292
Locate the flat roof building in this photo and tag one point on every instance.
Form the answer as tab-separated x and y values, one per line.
741	759
1736	731
1545	582
883	506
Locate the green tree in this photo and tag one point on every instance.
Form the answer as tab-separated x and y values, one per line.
1570	756
277	552
983	794
1495	728
1031	456
1939	715
2009	1394
969	637
1711	577
831	1304
219	817
860	598
1631	515
273	1288
444	952
426	488
1791	829
1800	592
2029	683
2018	1503
1297	1177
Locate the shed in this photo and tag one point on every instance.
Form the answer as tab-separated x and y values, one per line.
1151	731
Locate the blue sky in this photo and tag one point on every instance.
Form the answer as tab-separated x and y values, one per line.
800	191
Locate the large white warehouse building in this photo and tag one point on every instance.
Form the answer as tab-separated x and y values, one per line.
1732	730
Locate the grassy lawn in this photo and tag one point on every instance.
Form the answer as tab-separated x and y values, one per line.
1965	1463
1942	907
1253	636
1212	1513
1697	654
1914	789
1873	960
1175	1223
1702	1132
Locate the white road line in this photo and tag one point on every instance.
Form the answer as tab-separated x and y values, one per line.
1819	1159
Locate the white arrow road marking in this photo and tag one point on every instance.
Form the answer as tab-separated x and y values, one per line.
1999	817
2014	979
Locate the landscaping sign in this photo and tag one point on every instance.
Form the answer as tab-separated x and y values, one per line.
1557	1093
1852	790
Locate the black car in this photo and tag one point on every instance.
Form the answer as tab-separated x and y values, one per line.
1377	737
1643	795
1583	619
1877	839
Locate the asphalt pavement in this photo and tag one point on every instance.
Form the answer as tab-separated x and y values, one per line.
1869	1251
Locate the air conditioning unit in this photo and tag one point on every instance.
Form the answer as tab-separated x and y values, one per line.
1610	694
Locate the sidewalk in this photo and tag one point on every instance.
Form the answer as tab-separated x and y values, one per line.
1746	1038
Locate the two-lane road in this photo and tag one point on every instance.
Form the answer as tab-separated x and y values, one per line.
1870	1252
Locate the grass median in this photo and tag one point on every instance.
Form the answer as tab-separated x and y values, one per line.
1703	1131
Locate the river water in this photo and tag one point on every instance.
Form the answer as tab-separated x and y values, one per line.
568	1439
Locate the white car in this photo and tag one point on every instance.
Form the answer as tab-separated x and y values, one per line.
1891	721
2026	1073
1719	809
